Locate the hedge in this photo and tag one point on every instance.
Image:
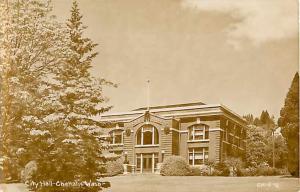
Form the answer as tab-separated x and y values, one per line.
175	166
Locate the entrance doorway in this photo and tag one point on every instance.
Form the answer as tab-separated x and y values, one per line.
146	162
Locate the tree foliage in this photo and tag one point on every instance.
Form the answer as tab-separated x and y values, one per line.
69	134
259	148
31	44
289	121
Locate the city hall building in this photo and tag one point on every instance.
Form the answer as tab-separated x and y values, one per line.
196	131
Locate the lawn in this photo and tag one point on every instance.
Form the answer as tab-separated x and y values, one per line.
157	183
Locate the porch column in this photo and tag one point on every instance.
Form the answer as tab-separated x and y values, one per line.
141	170
203	152
113	139
193	156
153	163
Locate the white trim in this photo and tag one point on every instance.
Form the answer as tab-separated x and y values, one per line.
116	144
153	162
218	112
153	135
173	129
196	141
142	135
171	109
145	146
163	110
141	169
184	131
214	129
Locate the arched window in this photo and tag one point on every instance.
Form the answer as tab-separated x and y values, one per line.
147	135
198	132
116	136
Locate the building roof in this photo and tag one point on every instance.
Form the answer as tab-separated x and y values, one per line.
171	111
170	106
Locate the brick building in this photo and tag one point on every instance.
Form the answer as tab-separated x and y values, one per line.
196	131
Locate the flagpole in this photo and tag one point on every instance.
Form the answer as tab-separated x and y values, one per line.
148	95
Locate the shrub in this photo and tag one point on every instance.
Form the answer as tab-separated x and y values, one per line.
250	171
114	167
262	171
267	171
29	171
175	166
195	171
234	165
221	169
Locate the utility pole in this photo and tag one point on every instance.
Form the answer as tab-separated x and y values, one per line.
273	138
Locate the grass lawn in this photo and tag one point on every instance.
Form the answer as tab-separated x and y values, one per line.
157	183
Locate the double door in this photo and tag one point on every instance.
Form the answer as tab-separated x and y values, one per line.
146	162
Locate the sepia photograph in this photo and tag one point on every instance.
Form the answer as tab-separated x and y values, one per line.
149	96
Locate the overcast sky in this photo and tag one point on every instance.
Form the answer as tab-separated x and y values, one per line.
242	54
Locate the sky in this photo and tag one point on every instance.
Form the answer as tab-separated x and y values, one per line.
242	54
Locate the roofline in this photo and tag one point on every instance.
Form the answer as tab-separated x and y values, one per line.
170	106
173	109
162	110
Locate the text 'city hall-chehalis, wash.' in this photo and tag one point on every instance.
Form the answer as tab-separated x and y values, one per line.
195	131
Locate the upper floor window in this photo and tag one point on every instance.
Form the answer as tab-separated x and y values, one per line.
147	135
116	136
198	132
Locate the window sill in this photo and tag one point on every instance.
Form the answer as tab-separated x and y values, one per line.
116	144
143	146
196	141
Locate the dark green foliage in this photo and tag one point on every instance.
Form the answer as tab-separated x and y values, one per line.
195	171
69	150
114	167
289	121
259	148
256	143
261	171
221	169
264	117
256	122
175	166
249	118
31	46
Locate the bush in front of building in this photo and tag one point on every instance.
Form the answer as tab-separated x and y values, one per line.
114	167
175	166
195	171
262	170
221	169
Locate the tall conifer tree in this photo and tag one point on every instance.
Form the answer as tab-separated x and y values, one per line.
70	134
289	121
30	46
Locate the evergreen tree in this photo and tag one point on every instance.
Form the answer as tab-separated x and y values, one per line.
256	122
249	118
256	143
30	46
289	121
264	117
69	134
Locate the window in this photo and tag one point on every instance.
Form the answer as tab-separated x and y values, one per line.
198	132
147	135
198	155
116	136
